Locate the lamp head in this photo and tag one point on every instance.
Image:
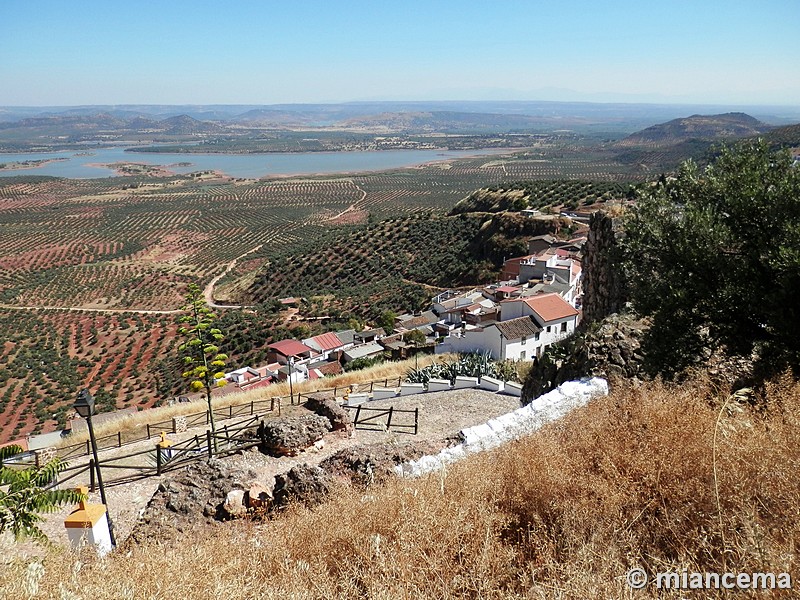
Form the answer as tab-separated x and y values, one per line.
84	405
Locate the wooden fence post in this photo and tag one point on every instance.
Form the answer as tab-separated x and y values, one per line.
251	408
208	443
358	412
148	431
389	420
88	448
92	473
416	420
119	439
158	459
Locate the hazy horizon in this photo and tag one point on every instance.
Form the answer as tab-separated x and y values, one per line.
266	53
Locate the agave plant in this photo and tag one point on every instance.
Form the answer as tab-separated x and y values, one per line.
23	496
474	364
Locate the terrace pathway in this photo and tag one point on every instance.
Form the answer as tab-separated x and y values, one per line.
141	311
208	292
353	206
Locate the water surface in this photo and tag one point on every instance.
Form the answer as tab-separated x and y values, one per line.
78	165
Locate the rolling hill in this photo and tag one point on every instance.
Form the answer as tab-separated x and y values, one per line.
697	127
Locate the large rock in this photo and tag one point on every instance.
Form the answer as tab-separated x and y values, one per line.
375	463
258	496
291	435
234	504
610	349
304	483
327	407
604	286
191	497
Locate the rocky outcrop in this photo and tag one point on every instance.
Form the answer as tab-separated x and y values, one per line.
304	483
610	349
291	435
191	497
327	407
234	505
258	496
604	289
375	463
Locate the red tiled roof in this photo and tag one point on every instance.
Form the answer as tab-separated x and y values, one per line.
327	341
516	329
331	368
550	307
22	443
290	348
508	288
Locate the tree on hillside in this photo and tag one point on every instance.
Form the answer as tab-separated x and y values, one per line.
202	360
23	497
713	256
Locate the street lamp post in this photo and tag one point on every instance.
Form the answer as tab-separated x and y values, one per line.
291	390
84	406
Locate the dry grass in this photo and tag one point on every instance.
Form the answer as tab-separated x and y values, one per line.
562	514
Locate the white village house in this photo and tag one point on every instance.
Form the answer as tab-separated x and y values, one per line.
527	327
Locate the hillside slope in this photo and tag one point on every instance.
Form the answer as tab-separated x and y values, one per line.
700	127
621	483
396	264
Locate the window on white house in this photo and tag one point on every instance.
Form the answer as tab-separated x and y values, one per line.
536	336
522	355
564	327
548	329
523	341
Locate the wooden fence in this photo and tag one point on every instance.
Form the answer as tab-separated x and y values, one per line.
160	459
363	387
150	430
385	419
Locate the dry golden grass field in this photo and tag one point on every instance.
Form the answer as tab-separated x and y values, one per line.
656	476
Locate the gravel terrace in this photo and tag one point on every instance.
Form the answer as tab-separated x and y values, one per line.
441	415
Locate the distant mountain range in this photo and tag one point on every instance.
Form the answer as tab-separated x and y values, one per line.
24	129
634	116
179	125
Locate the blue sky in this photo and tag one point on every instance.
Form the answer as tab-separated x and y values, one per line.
70	52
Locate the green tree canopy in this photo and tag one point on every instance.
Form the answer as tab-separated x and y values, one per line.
713	256
23	496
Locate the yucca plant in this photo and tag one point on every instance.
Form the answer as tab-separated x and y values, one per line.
23	497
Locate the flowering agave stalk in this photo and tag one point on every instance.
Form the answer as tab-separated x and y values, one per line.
203	361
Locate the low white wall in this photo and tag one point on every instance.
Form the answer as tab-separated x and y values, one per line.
463	383
438	385
513	425
491	384
356	399
383	393
407	389
513	388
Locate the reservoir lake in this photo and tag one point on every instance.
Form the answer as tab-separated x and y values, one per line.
76	165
